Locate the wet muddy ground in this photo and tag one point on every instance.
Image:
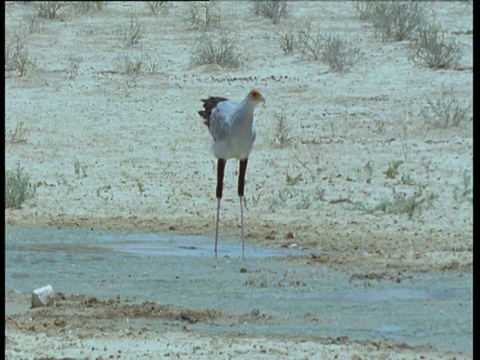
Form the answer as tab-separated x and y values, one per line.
159	282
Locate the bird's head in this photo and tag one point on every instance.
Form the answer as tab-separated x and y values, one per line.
256	96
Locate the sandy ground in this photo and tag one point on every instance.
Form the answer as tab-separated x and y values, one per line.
87	327
145	161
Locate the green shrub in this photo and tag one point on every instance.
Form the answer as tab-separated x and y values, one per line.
18	188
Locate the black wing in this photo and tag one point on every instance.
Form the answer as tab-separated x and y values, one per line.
210	104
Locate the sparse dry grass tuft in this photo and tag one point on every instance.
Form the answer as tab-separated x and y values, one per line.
73	66
289	42
464	192
393	20
83	7
31	22
17	54
157	7
272	9
297	198
392	170
339	54
282	134
401	203
136	63
18	135
132	32
446	111
313	43
48	9
202	15
434	48
216	49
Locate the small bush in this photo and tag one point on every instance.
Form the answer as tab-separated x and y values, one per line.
47	9
279	199
309	41
339	54
73	66
272	9
17	54
282	133
365	173
80	168
434	48
289	42
83	7
365	9
132	32
220	50
157	6
136	63
465	192
393	20
392	170
18	188
445	112
293	179
402	203
300	199
202	15
18	135
32	23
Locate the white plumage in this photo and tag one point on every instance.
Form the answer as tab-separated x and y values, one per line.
233	130
232	126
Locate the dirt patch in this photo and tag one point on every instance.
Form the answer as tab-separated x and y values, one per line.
83	325
89	315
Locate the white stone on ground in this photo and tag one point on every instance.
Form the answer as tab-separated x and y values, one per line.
43	296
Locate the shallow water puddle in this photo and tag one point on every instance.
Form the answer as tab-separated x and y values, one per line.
265	294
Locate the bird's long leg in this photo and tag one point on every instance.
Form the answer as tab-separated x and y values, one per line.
220	175
241	187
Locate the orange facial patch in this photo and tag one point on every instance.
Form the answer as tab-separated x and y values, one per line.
256	95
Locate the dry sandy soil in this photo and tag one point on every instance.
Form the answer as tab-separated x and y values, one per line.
144	159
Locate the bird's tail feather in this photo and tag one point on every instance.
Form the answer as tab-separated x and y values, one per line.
210	104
